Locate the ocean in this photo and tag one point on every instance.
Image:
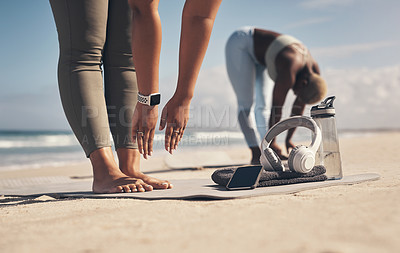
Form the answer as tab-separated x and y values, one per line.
35	149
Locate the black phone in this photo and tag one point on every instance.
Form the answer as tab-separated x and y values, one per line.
245	177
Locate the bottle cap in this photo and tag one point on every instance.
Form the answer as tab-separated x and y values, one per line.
324	109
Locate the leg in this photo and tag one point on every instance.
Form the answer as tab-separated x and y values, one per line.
121	91
79	69
241	71
263	92
81	88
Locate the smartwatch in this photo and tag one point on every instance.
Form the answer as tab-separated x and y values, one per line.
152	99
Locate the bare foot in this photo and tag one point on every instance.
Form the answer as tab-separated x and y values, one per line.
120	183
155	182
108	178
129	164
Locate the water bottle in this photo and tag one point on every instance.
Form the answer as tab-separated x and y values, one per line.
328	153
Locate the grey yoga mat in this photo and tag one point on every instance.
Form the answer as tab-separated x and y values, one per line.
64	187
269	178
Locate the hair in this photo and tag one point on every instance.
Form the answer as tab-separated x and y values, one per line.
314	91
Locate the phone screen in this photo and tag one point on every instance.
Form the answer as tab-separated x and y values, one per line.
245	177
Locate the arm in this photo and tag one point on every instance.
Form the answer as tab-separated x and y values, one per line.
197	22
297	109
146	46
284	82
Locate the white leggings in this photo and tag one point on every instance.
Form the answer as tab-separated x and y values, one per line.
250	82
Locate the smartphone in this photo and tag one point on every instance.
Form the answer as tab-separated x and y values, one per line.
245	177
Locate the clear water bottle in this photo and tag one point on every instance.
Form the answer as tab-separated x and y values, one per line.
328	153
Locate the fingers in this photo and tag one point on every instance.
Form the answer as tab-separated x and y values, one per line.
150	142
139	139
178	134
173	144
163	119
135	129
145	142
174	124
181	135
143	127
168	136
172	137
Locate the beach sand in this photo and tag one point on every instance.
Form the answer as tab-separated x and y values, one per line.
354	218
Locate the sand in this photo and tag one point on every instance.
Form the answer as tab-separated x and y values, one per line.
357	218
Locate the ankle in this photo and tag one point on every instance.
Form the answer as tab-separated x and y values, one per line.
129	161
103	164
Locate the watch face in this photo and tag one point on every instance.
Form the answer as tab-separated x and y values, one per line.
155	99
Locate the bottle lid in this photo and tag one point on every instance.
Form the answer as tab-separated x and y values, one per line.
324	109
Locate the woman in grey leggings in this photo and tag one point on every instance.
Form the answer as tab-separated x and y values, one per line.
96	33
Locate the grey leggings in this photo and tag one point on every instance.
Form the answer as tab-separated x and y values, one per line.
92	34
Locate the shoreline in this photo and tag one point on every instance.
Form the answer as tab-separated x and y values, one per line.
343	134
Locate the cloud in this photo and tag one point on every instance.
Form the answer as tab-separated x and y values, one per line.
348	50
367	98
307	22
323	4
214	103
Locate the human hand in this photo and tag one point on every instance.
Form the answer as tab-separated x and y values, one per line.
289	146
275	147
174	118
143	126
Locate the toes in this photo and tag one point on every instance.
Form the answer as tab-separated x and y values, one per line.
116	189
165	185
126	188
148	187
140	187
128	185
160	185
132	187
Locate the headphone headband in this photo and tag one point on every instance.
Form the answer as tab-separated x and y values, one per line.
292	122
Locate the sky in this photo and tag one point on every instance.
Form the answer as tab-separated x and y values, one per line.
356	43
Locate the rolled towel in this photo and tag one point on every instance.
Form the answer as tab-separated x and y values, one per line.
269	178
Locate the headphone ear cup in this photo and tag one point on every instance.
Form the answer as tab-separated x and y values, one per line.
301	159
292	155
271	161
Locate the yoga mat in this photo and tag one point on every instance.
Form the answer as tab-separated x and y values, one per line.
183	189
201	159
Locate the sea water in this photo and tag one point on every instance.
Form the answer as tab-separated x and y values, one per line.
35	149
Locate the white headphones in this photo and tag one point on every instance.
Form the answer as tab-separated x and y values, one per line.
301	158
